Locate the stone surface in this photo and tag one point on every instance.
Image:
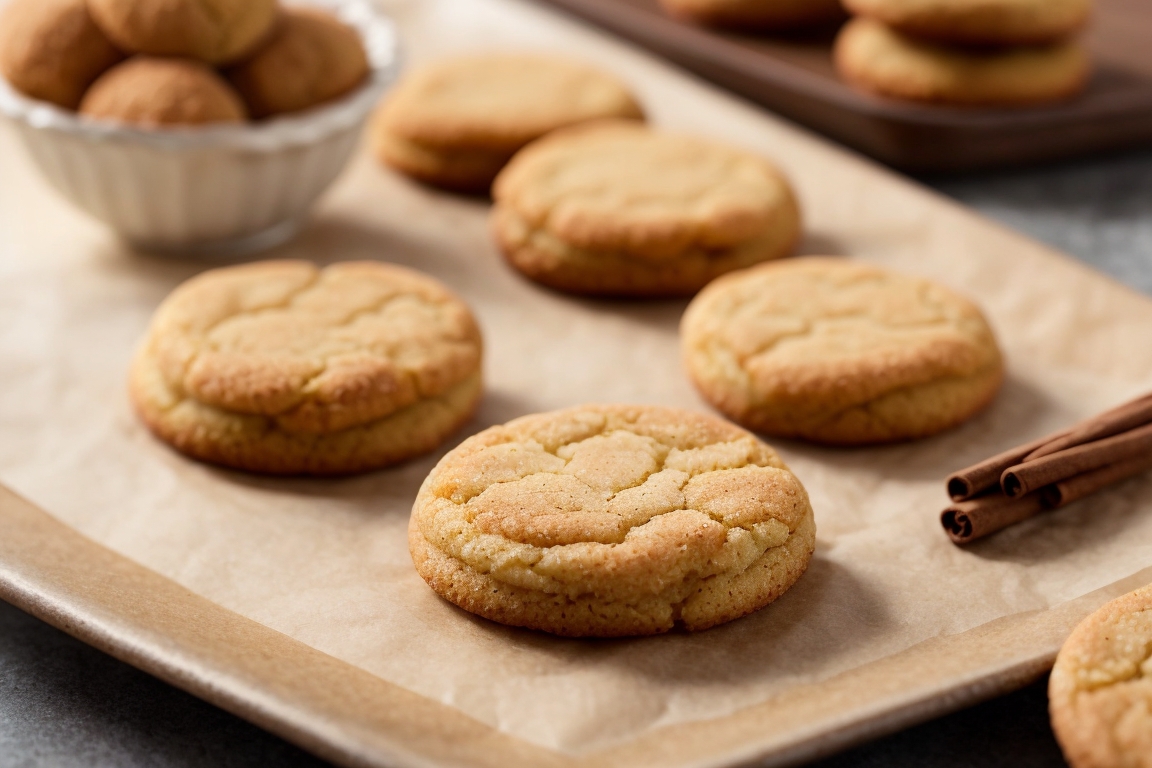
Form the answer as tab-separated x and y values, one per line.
64	704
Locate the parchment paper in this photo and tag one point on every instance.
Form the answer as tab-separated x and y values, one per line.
326	562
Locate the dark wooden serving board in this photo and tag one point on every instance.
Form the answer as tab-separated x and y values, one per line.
794	77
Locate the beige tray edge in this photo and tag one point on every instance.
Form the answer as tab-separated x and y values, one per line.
353	718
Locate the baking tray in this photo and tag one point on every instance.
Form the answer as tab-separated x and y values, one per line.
794	76
292	602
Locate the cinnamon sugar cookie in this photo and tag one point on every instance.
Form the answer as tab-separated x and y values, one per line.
454	124
612	520
766	15
616	209
286	368
879	59
979	22
152	90
1100	692
839	352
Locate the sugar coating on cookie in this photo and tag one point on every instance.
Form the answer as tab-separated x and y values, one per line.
214	31
839	352
979	22
879	59
287	368
311	58
456	122
615	208
153	91
1100	692
610	521
52	50
773	15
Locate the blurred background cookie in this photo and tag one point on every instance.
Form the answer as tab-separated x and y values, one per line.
1100	692
215	31
617	209
153	91
766	15
979	22
879	59
613	520
52	50
838	352
286	368
310	58
454	124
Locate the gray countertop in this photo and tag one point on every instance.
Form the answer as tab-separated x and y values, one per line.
64	704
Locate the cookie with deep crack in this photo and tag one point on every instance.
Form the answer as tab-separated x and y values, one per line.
1100	692
455	123
214	31
879	59
615	208
979	22
759	15
839	352
287	368
606	521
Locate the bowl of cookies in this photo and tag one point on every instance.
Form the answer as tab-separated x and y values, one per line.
190	131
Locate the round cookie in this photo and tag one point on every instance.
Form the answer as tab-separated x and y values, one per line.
214	31
979	22
614	208
311	58
52	50
883	61
286	368
607	521
764	15
838	352
1100	692
454	124
158	91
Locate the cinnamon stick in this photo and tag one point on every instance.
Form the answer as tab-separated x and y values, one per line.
975	480
1029	476
1122	419
1076	488
966	521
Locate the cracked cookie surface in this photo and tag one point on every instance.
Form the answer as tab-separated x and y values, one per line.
284	367
615	208
611	521
1100	692
838	352
455	123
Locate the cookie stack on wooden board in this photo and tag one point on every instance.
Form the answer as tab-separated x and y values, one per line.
992	53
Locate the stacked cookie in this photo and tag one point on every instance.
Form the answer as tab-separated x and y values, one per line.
992	52
178	62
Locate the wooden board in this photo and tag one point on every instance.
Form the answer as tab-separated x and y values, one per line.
794	77
293	602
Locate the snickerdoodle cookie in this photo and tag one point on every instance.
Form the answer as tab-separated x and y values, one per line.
768	15
979	22
215	31
879	59
1100	692
287	368
839	352
614	208
311	58
612	520
155	91
454	124
51	49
